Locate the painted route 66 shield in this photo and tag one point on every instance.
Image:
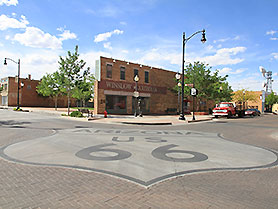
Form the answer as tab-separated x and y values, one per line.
141	156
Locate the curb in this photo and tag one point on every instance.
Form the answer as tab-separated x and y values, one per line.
200	120
136	123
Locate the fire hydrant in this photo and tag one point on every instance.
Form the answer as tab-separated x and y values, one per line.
105	114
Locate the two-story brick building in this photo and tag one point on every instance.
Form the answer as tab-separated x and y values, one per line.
115	86
28	96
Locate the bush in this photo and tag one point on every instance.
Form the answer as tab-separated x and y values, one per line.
76	114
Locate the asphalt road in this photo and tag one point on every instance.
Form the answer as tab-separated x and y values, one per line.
52	162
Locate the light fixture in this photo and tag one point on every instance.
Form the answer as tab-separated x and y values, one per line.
203	40
178	76
136	78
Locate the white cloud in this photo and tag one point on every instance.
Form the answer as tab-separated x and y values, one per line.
238	71
123	23
273	39
8	2
34	37
155	56
66	35
275	55
223	57
226	39
225	71
271	32
7	22
104	36
91	57
107	45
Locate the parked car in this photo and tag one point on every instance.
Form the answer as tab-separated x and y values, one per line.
252	112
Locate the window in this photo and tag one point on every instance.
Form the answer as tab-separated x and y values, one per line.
122	76
146	76
135	72
115	104
29	87
108	71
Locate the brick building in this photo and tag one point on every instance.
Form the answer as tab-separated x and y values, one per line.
115	86
28	96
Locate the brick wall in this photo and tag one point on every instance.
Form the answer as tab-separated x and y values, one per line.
28	96
161	80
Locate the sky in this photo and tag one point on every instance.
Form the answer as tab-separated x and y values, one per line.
242	35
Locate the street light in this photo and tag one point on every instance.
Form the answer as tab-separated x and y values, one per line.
18	78
178	77
136	94
184	41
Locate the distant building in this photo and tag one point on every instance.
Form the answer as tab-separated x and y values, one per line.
28	96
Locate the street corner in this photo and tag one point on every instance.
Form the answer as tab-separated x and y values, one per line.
145	157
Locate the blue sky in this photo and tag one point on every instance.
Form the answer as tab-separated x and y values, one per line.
241	35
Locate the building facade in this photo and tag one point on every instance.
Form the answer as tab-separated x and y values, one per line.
28	96
115	87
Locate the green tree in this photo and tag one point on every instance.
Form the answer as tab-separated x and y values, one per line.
243	97
270	100
1	89
50	86
70	71
84	89
210	85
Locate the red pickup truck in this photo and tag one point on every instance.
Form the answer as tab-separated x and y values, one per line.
228	109
224	109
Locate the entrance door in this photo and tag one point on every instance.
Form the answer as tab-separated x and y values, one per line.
5	100
145	104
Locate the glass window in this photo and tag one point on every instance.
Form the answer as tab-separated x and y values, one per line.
122	76
146	76
135	72
108	71
115	102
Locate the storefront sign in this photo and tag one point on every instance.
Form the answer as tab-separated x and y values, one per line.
130	87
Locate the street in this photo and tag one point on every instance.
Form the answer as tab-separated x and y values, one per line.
48	161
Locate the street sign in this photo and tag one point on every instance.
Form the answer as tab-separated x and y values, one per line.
193	92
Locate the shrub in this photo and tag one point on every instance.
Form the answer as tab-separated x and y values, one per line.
15	109
76	114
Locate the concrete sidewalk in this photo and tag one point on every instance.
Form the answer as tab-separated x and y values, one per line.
123	119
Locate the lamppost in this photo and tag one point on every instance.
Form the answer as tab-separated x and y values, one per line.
184	41
178	77
18	77
136	94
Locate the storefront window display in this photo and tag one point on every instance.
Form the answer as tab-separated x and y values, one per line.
115	104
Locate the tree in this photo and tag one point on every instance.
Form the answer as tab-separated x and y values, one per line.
210	85
243	96
50	86
70	72
84	88
1	89
271	99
